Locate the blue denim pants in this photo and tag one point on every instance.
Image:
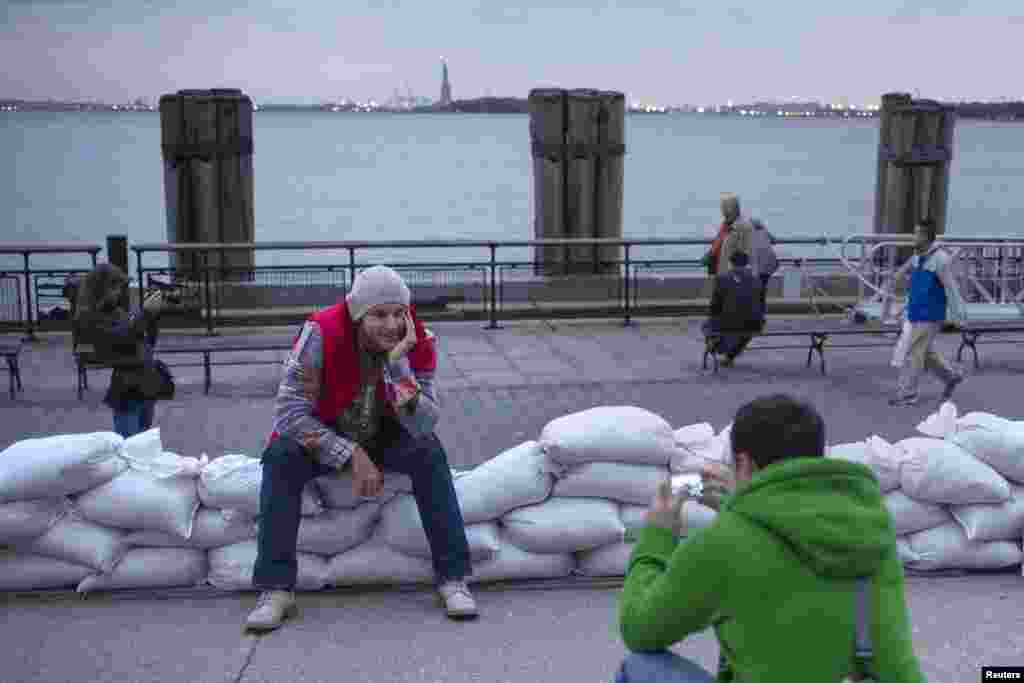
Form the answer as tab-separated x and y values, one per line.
287	468
661	667
133	417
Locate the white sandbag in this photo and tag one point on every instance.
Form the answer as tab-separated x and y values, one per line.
609	434
151	568
144	452
564	525
608	560
938	471
80	541
336	489
25	572
996	442
881	457
511	562
696	446
231	568
947	547
402	529
211	529
24	520
616	481
335	531
940	424
137	500
375	562
514	478
59	465
634	517
998	522
904	551
909	515
232	484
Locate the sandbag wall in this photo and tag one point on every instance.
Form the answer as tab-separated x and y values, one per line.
97	512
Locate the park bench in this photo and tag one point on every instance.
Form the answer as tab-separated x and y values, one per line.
818	333
11	352
971	331
208	349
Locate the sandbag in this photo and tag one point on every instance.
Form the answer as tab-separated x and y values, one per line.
564	525
881	457
211	529
947	547
26	572
402	529
634	517
144	452
616	481
909	515
938	471
694	516
940	424
136	500
375	562
608	560
336	489
609	434
335	531
697	445
232	484
512	562
60	465
25	520
231	568
998	522
151	568
81	542
514	478
904	551
997	442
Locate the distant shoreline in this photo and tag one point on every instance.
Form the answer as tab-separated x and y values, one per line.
1002	111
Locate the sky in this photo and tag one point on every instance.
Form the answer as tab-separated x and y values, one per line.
655	51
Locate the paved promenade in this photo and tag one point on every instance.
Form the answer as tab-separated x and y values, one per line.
499	388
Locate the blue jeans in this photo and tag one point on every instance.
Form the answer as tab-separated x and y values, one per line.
287	468
133	417
661	667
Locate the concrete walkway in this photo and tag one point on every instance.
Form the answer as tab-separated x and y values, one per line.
500	388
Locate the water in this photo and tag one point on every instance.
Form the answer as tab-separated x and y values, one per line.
319	176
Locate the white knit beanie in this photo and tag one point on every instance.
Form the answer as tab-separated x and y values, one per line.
373	286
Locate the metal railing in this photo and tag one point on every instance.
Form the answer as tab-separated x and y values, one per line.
25	292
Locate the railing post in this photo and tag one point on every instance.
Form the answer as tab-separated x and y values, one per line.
626	322
351	266
209	297
493	325
141	273
31	331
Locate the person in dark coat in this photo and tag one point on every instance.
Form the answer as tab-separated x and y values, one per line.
123	339
736	308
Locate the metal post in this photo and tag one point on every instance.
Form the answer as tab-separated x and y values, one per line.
493	325
351	266
140	272
209	297
627	322
31	336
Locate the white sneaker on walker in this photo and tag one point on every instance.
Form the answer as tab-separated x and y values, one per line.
457	600
271	610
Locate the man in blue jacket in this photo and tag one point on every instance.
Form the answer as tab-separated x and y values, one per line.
736	308
933	293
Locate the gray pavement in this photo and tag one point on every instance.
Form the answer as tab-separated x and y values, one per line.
499	388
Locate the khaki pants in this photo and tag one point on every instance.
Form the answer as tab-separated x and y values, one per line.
914	354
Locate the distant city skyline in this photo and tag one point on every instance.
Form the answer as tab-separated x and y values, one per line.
655	51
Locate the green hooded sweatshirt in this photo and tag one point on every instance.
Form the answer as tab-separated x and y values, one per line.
775	575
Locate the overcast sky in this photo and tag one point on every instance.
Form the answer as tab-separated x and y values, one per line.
653	50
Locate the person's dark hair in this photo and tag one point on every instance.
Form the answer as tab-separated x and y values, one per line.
739	258
930	229
778	427
96	293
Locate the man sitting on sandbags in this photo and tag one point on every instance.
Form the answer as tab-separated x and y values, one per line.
798	574
358	394
737	309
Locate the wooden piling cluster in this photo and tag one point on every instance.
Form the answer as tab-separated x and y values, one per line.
578	142
206	138
915	148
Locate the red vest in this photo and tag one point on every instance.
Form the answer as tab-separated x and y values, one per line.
340	376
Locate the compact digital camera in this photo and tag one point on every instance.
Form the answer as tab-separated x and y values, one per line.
690	484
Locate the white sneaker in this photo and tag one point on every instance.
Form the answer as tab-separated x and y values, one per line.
457	600
272	608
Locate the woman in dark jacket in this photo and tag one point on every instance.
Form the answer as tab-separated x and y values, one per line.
124	339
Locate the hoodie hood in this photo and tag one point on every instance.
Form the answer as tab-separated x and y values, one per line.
829	512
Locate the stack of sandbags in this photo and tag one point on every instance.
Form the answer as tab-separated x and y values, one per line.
47	544
974	465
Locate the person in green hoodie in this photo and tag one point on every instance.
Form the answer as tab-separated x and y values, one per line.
776	573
